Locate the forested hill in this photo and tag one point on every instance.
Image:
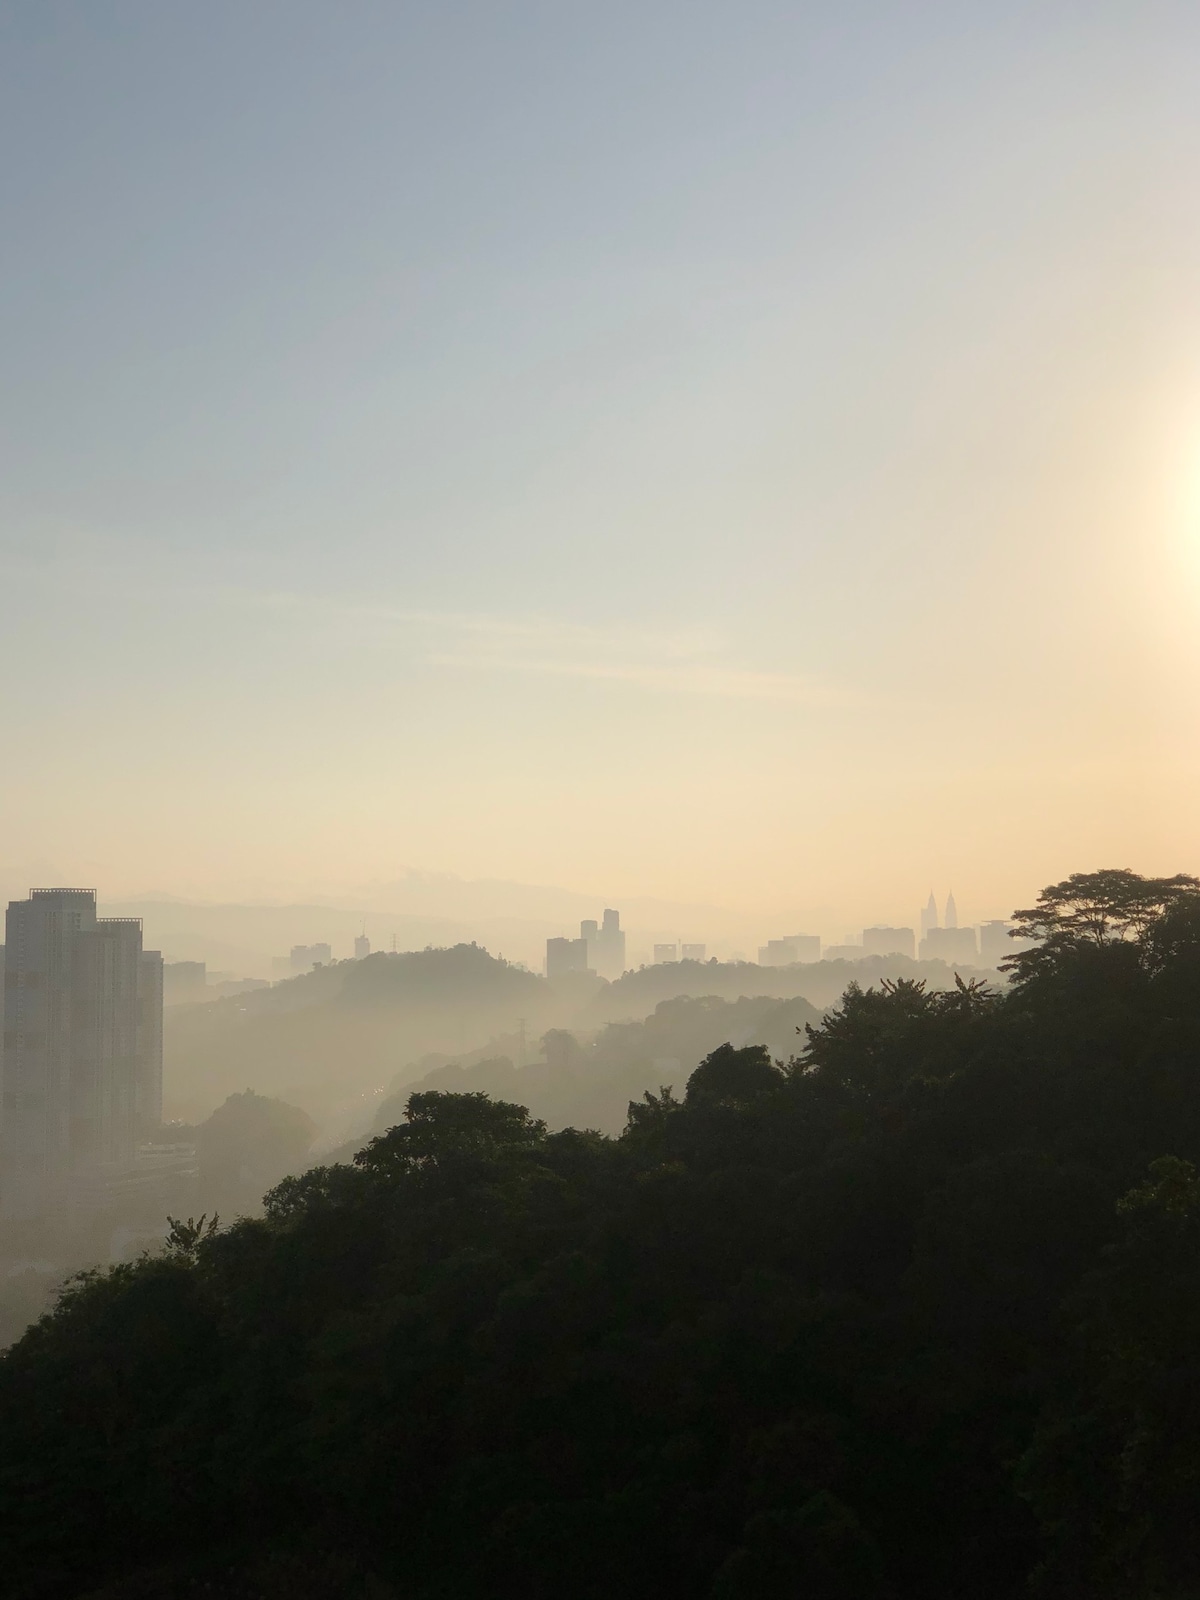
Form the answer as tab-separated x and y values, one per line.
340	1031
914	1317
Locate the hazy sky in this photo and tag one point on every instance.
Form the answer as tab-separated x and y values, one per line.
744	453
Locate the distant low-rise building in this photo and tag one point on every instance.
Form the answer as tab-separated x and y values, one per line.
786	952
879	941
665	952
184	982
843	952
996	943
693	952
224	986
304	957
950	944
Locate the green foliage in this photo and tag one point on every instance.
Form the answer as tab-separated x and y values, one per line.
439	1126
734	1077
912	1316
1098	909
185	1238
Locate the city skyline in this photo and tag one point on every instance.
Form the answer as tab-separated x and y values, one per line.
252	941
188	980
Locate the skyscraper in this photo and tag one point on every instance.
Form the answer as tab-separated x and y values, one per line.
606	944
951	911
929	917
82	1059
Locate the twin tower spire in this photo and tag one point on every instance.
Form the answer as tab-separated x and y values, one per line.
929	917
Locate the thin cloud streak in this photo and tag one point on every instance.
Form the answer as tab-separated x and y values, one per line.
666	663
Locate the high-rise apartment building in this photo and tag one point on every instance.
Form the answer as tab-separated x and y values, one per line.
693	952
362	947
82	1047
664	953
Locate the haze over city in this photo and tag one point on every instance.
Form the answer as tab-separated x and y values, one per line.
600	975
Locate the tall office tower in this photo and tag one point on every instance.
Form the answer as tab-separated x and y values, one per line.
611	945
951	911
82	1046
606	944
929	917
